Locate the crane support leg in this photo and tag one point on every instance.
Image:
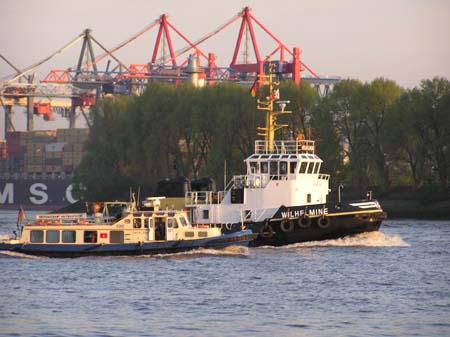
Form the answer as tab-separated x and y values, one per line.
72	115
9	127
30	114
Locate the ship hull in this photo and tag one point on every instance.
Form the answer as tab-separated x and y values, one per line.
242	238
314	223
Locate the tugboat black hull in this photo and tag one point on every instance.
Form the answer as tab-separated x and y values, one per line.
314	223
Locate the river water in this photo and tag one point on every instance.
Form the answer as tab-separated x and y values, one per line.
395	282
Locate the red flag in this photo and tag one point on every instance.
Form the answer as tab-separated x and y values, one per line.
20	216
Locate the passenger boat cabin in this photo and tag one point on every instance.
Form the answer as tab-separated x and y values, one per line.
132	226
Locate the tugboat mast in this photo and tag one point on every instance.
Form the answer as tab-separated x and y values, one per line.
268	132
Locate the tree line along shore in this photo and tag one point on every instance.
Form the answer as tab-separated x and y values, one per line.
376	135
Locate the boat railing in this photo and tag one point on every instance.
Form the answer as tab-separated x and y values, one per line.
203	198
285	147
73	219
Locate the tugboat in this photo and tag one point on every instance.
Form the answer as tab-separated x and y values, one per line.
119	228
283	197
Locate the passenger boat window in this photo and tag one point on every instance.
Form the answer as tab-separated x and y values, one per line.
37	236
116	237
52	236
308	198
175	223
146	223
311	168
150	223
293	166
283	168
69	236
90	236
317	168
183	222
170	223
137	222
206	214
303	167
264	167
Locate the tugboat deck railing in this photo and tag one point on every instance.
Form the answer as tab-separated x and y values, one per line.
285	147
203	198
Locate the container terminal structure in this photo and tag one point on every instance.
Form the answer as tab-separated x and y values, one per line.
36	166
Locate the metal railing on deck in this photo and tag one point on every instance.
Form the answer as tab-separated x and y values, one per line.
285	147
203	198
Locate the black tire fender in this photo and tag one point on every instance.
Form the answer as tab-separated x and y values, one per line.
304	222
287	226
323	222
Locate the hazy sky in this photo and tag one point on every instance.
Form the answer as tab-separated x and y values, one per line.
404	40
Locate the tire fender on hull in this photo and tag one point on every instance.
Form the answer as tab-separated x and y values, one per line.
304	222
287	226
323	222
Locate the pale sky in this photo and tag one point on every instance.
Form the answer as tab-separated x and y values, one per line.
404	40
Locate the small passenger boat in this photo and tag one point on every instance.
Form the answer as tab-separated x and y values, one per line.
119	228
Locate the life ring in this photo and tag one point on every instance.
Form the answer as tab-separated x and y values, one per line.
323	222
287	226
304	222
229	226
267	230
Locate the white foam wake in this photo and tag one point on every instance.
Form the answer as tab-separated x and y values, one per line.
368	239
231	251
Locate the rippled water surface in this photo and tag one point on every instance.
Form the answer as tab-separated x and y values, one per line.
392	283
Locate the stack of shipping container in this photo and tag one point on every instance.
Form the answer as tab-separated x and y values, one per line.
43	152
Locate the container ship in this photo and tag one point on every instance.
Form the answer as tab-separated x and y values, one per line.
36	167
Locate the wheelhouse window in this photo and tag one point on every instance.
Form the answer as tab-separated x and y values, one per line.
317	168
253	167
90	236
137	223
303	167
283	168
37	236
293	166
311	168
264	167
170	222
146	223
273	168
69	236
